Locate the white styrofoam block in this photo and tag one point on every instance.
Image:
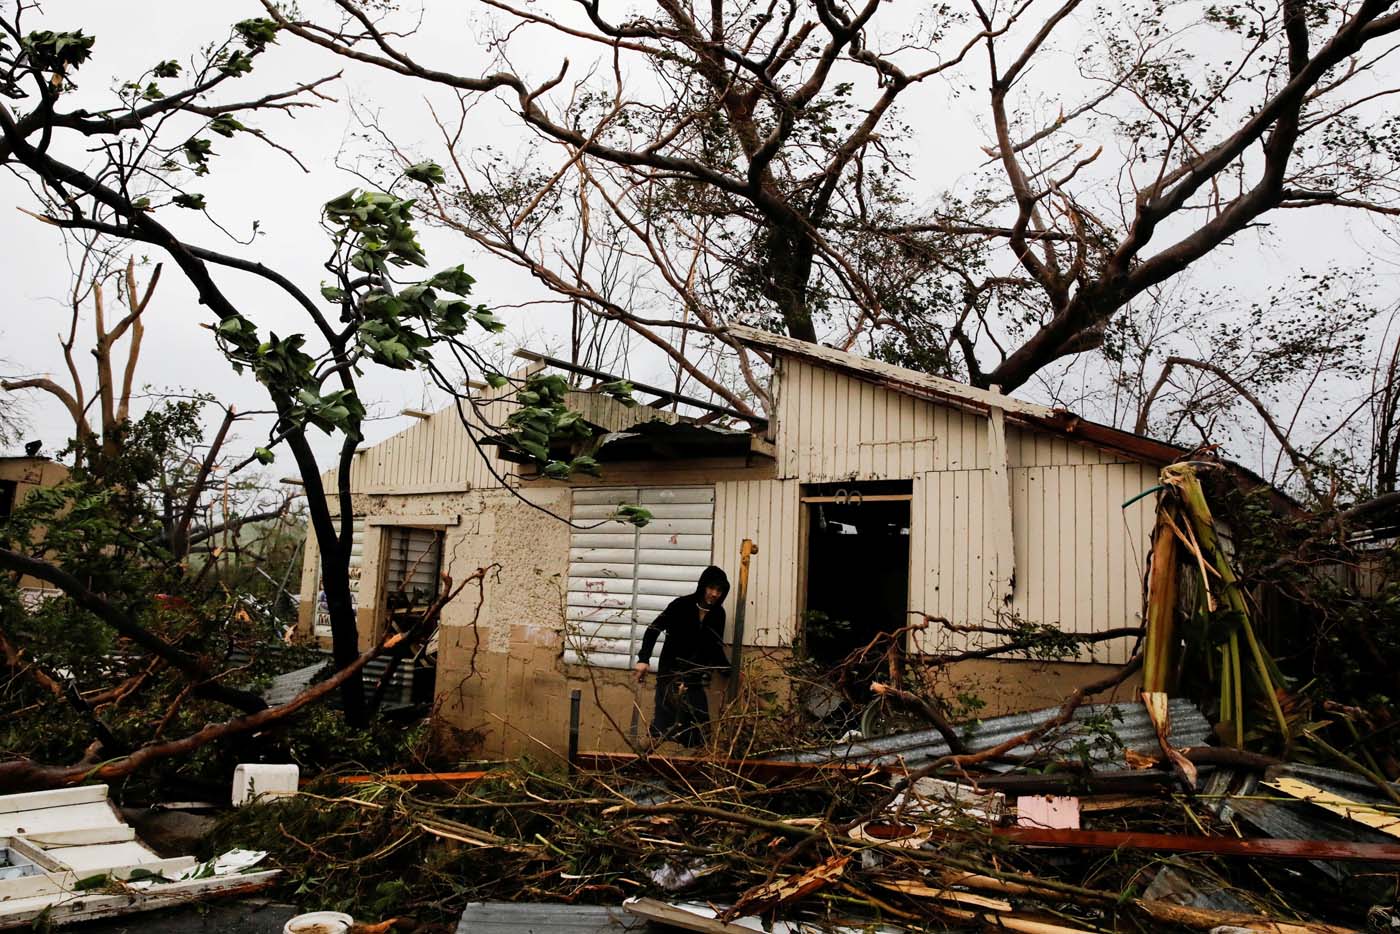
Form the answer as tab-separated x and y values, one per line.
254	780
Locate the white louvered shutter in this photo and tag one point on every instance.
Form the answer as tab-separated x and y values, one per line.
414	560
357	562
621	577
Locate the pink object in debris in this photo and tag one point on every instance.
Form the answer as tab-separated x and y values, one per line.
1056	812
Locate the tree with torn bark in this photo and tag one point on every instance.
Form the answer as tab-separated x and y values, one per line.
751	155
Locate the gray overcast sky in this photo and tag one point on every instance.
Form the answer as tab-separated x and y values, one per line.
251	182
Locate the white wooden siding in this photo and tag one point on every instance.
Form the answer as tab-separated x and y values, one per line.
1079	555
437	454
769	513
621	576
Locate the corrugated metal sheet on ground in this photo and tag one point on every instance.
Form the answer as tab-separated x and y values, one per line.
289	684
516	918
1134	731
1278	816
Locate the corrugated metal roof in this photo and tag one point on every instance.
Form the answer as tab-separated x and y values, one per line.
1129	722
516	918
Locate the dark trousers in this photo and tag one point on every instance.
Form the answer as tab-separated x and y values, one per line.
682	708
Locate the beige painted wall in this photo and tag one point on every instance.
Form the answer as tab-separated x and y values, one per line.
31	474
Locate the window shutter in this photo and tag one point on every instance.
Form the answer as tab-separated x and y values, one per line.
357	560
621	577
414	561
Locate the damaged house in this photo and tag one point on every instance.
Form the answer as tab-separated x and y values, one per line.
871	493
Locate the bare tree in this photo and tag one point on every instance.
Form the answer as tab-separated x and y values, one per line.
751	153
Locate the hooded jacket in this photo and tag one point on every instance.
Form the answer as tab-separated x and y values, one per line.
691	643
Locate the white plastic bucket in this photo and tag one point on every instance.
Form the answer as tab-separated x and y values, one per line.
319	922
254	780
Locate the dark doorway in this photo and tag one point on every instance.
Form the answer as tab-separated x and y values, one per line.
857	566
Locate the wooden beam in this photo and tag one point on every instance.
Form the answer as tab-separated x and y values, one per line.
1185	843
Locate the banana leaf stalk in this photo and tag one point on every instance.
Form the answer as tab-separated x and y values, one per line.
1206	545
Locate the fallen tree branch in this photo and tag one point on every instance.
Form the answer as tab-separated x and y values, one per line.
23	773
128	628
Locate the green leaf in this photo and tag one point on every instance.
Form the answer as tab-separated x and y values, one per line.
633	515
264	455
428	173
225	125
237	63
496	380
194	202
166	69
454	280
331	294
257	32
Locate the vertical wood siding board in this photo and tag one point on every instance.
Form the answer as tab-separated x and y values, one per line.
413	455
803	442
950	551
847	433
1036	537
821	433
1020	541
763	594
926	424
862	464
991	592
777	568
812	465
887	454
918	522
813	441
934	536
957	455
784	567
722	539
963	555
1051	506
1089	517
442	445
1120	563
874	453
931	554
928	551
979	562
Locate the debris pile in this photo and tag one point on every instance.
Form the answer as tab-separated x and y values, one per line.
851	839
67	856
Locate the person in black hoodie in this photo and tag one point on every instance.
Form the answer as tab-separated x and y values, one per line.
694	647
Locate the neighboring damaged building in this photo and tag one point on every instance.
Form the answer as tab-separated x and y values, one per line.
873	493
19	477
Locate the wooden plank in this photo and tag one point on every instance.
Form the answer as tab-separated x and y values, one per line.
70	817
1002	559
1181	843
88	906
411	778
118	833
433	519
1368	815
58	797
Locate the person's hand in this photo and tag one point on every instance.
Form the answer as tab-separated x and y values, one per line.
641	668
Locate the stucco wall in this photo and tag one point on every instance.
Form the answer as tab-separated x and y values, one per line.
31	474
